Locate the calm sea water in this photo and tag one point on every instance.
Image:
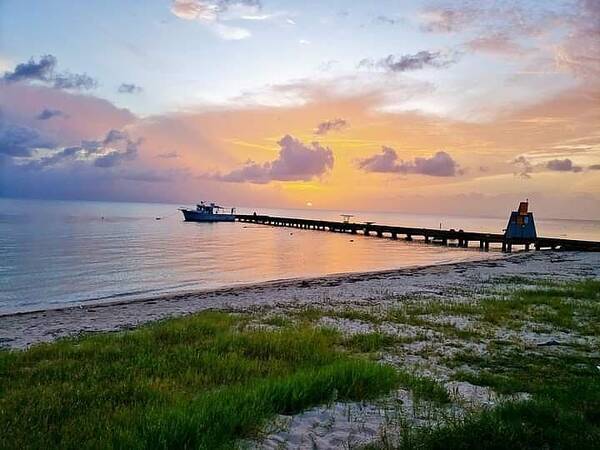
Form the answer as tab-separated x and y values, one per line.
55	253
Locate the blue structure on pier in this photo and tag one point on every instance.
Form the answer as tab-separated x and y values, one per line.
521	226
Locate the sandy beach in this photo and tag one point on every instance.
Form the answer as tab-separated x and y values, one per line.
22	330
465	337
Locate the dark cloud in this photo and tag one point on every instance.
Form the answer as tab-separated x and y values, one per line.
296	162
115	158
44	71
404	63
331	125
114	136
67	154
524	167
388	20
31	70
439	165
20	141
46	114
115	148
562	165
129	88
168	155
74	81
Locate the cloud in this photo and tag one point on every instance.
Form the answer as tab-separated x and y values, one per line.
230	33
579	52
404	63
46	114
439	165
20	141
562	165
74	81
151	176
331	125
168	155
115	158
212	10
215	12
572	46
524	167
195	9
129	88
447	20
296	162
44	71
23	103
387	20
115	148
31	70
496	43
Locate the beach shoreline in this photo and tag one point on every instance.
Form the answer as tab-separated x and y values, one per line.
23	329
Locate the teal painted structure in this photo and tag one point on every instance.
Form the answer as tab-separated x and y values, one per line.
521	226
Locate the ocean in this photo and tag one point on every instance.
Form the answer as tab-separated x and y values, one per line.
60	253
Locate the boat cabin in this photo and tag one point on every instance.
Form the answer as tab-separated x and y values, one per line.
211	208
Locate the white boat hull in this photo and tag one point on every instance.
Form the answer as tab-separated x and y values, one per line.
195	216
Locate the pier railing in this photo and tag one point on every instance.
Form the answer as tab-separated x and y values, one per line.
429	235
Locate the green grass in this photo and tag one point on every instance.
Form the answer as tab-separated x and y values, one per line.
564	382
375	341
198	382
566	418
559	305
572	306
424	388
369	342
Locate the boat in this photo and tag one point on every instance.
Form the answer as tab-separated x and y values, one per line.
208	213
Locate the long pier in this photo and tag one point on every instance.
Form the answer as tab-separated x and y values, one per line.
428	235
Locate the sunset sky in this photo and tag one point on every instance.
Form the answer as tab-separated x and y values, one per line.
456	107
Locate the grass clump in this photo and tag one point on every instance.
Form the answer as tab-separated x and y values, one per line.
198	382
566	419
424	388
513	371
369	342
558	305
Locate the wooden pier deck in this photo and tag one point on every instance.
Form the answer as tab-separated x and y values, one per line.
429	235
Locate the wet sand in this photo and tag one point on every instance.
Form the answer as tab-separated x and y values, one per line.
21	330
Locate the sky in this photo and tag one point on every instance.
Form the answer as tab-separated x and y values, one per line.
453	107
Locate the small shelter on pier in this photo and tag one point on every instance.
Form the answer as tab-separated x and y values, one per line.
521	225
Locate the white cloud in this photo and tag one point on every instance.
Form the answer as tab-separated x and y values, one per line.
231	33
215	13
195	10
